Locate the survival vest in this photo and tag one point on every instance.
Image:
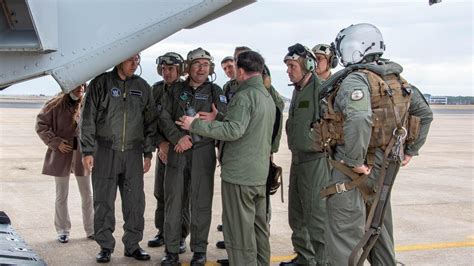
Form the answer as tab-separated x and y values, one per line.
392	127
390	101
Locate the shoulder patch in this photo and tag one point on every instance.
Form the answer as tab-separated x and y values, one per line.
357	95
184	96
115	92
223	99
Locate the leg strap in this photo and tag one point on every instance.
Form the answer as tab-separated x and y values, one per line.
357	181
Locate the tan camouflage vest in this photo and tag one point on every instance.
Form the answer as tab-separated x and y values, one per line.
390	100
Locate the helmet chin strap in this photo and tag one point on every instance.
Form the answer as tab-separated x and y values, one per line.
139	66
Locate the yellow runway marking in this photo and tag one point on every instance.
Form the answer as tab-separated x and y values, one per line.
445	245
431	246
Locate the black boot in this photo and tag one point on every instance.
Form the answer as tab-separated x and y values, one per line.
220	244
103	256
223	262
199	258
170	259
157	241
138	254
182	246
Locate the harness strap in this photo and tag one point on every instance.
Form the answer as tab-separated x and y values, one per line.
358	180
373	232
372	228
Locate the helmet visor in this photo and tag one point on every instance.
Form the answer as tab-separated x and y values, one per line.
298	49
337	45
168	60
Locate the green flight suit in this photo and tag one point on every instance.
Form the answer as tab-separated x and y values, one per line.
347	211
158	89
309	173
195	166
246	132
118	128
230	89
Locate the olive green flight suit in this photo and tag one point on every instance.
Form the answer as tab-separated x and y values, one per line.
230	89
308	174
158	90
347	211
195	166
247	130
118	128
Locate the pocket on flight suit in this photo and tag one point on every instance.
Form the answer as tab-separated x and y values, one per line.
104	175
341	207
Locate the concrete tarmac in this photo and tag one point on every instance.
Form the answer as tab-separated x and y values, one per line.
432	199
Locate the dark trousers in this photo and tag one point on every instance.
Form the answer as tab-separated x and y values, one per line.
124	170
159	192
194	167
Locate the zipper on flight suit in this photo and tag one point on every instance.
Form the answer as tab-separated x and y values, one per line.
124	115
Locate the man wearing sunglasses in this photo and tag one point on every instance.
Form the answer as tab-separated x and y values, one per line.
117	139
191	158
309	168
170	66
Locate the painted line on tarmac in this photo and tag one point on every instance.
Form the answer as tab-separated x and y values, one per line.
432	246
282	258
416	247
445	245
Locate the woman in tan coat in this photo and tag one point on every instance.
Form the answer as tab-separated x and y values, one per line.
56	125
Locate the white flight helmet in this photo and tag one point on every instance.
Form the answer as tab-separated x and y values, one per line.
357	41
200	53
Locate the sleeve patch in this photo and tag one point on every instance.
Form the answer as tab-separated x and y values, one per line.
357	95
223	99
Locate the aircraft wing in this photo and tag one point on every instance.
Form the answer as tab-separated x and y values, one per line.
76	40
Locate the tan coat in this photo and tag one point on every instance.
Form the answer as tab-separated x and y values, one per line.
53	127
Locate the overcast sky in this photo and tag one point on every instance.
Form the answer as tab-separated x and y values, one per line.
433	43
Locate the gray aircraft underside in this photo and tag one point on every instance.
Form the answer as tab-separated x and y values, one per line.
74	40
